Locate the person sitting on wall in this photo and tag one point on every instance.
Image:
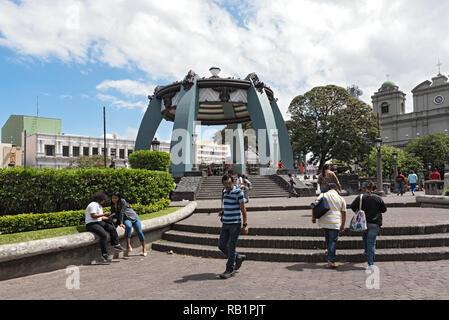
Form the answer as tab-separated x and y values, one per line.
435	175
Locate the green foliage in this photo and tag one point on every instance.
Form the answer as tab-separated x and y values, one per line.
32	221
446	193
85	162
150	160
331	124
50	190
406	162
433	150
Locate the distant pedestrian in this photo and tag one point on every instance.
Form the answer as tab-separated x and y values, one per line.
435	175
291	186
233	208
126	165
280	164
326	177
400	180
412	179
127	219
333	221
247	186
373	206
112	165
97	222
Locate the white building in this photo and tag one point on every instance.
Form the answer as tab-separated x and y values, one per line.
56	150
209	152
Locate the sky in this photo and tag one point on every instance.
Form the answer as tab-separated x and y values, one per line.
67	59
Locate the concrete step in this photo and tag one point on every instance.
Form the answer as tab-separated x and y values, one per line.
300	255
311	242
316	232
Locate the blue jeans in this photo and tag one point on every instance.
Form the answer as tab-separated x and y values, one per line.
369	241
331	237
401	187
228	242
413	187
137	226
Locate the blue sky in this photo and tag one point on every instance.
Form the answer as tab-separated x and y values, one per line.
79	55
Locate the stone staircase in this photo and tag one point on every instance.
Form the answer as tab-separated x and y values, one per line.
263	187
280	244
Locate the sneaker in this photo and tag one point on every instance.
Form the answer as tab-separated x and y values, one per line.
226	275
119	248
145	254
332	265
372	266
130	249
106	258
239	261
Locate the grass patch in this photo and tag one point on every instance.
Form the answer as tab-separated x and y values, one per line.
58	232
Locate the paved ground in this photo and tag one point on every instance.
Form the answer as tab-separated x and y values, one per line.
301	201
164	276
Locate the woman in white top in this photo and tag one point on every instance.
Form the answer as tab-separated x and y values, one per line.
98	223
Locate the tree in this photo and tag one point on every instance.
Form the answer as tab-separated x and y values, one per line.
433	150
331	124
406	162
245	126
85	162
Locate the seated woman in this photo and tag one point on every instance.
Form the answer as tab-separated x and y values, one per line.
98	223
127	218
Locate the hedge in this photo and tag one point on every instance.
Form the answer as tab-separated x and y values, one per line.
32	221
150	160
51	190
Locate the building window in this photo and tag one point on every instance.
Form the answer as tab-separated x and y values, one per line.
76	151
94	151
122	153
65	151
113	153
384	108
49	150
129	152
86	151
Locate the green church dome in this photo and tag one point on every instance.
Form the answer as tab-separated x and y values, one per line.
388	84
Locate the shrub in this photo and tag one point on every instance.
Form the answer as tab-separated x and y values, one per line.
150	160
32	221
447	192
50	190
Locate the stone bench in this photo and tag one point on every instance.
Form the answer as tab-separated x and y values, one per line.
434	187
26	258
430	201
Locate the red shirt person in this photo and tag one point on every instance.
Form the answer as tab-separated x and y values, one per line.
280	164
435	175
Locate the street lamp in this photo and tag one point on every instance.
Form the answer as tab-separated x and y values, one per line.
395	157
378	143
155	145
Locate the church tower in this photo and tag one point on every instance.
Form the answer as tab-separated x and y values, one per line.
389	100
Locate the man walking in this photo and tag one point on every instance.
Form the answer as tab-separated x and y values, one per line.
291	186
333	221
400	179
233	208
412	179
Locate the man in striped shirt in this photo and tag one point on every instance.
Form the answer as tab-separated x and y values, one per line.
233	207
332	221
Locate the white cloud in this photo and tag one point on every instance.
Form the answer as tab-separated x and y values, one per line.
118	103
292	45
127	87
66	96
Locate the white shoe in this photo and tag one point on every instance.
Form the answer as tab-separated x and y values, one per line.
145	254
130	249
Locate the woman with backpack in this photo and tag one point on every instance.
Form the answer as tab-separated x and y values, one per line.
373	206
127	219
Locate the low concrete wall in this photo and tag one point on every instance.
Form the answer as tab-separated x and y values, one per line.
433	202
434	187
26	258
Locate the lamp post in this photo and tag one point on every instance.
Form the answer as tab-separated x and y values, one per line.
155	145
379	166
194	168
395	157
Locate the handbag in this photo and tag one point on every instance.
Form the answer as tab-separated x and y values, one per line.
358	221
321	208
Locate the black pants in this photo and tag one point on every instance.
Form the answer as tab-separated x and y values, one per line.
101	229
